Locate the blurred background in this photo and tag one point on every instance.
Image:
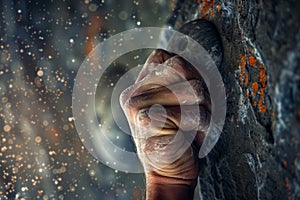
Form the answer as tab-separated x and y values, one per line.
42	45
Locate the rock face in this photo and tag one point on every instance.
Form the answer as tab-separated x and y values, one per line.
258	153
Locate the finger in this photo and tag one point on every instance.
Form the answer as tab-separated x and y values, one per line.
183	93
157	123
163	76
158	56
185	117
184	68
173	70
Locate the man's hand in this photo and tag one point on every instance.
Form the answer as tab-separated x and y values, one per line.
167	105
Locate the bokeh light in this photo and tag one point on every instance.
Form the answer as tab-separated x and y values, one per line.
42	45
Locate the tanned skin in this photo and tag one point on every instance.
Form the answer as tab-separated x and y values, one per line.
153	127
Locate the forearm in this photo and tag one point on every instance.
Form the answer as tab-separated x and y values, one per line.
168	192
165	188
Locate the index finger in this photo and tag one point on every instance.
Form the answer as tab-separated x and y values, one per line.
158	56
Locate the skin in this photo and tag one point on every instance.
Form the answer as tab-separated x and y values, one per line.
154	115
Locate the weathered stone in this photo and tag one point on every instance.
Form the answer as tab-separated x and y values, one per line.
258	154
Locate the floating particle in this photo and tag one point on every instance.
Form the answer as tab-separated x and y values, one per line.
45	123
8	105
66	127
15	170
72	188
4	99
40	192
38	139
93	7
72	41
123	15
40	73
3	149
23	189
45	197
138	23
92	172
19	157
7	128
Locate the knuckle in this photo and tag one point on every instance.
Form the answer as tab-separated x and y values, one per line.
124	97
126	100
158	56
193	119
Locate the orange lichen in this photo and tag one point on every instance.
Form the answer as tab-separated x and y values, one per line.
261	106
247	94
219	7
263	78
207	8
255	88
287	183
212	13
244	77
258	87
284	164
262	82
232	117
252	61
242	66
246	80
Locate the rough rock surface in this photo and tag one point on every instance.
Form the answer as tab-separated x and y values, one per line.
258	154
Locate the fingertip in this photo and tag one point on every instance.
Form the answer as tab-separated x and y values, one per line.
159	56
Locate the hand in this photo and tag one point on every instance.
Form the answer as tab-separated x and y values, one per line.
167	105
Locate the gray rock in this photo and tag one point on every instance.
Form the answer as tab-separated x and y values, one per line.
258	154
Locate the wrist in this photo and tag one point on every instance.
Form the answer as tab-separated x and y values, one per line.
164	188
